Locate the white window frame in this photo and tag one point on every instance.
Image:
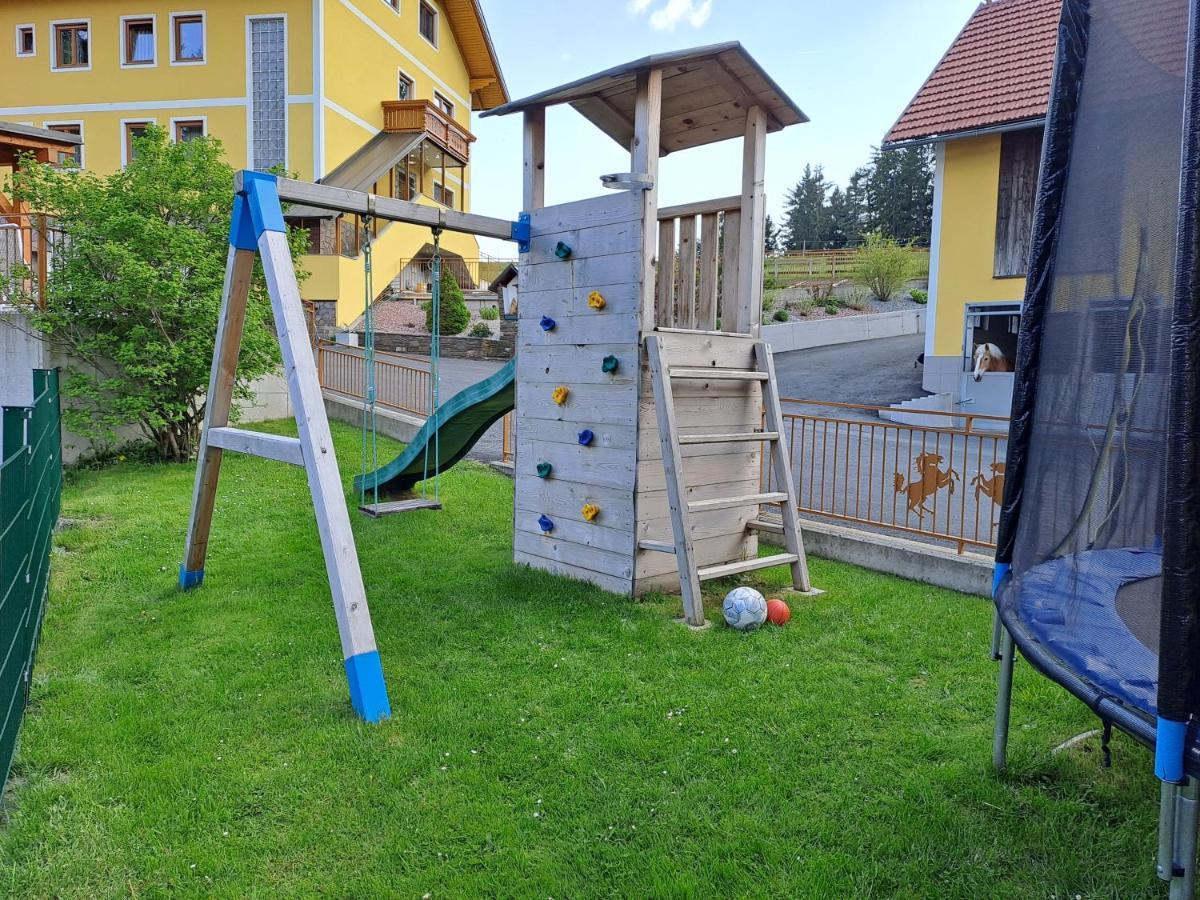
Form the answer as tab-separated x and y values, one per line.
125	123
437	24
287	74
441	101
393	5
54	66
32	29
203	27
175	120
78	122
123	45
400	73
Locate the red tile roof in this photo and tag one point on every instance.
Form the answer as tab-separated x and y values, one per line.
997	71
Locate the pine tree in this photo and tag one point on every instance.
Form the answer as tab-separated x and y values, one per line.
805	213
770	237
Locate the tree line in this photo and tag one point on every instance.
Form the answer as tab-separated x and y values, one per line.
892	195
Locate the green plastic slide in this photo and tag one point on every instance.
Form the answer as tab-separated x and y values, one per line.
464	419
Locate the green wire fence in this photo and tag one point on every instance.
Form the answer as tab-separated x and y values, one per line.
30	490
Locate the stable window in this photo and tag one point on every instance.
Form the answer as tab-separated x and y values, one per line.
428	24
997	324
405	88
26	42
187	38
1020	160
134	131
71	46
139	42
70	159
188	129
443	104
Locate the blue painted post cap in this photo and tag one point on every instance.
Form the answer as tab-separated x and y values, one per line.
368	692
189	580
520	231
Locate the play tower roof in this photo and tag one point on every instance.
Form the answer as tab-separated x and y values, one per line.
706	92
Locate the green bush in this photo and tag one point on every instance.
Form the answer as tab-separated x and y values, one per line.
858	300
454	315
780	315
489	313
831	309
480	329
882	266
921	297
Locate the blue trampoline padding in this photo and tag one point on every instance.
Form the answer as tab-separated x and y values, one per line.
1069	605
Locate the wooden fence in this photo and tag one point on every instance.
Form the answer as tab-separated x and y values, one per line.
825	265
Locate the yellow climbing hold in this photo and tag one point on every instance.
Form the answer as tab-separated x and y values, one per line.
590	511
560	393
596	300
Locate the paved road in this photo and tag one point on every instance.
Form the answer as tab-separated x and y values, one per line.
457	374
875	373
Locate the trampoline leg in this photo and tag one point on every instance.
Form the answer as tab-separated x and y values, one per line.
1008	653
997	628
1182	871
1167	793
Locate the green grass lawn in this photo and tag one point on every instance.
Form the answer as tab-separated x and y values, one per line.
547	739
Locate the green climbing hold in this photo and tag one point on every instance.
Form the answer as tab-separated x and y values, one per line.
561	250
544	469
609	364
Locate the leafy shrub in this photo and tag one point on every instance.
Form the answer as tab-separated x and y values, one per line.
781	315
921	297
480	329
858	300
831	309
821	292
803	306
454	314
489	313
882	266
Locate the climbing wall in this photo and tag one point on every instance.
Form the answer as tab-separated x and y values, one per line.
710	471
577	390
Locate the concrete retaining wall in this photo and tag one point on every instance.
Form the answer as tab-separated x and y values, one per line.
843	330
394	424
970	573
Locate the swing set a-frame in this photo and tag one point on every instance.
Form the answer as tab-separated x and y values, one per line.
258	231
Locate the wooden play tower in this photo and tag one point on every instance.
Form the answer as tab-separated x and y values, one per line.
645	397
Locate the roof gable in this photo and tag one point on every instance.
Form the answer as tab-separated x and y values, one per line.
997	72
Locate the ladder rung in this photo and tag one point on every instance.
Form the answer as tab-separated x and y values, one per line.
728	438
746	565
765	525
729	502
720	374
656	546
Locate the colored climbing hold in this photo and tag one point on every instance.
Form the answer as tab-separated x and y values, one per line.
609	364
561	250
589	511
545	523
548	324
596	300
559	395
544	469
586	437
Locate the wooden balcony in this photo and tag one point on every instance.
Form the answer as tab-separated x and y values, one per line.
423	116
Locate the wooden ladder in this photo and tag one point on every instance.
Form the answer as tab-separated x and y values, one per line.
690	575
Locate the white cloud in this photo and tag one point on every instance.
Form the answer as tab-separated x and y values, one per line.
669	14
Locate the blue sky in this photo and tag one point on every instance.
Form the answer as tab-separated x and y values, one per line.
850	65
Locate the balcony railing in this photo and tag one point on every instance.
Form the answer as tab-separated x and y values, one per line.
401	383
27	247
421	115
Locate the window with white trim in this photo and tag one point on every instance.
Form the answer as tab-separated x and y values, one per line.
428	23
68	158
72	42
26	41
443	104
134	131
405	89
188	130
138	42
187	38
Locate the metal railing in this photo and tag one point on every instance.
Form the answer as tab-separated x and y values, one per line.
400	382
507	446
938	476
471	274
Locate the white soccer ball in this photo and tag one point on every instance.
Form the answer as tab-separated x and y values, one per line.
745	608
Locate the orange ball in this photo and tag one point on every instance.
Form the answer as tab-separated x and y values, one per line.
777	611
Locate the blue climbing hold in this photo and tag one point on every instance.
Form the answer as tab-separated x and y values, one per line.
609	364
545	523
586	437
548	324
561	250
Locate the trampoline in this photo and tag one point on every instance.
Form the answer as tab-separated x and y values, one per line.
1098	558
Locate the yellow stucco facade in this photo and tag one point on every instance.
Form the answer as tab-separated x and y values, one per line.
969	191
342	59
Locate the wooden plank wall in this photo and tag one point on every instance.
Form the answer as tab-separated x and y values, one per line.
1020	162
605	236
697	277
710	470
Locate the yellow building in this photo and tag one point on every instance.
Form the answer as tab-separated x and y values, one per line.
982	109
365	94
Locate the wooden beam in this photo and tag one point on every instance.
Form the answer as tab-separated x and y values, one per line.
706	292
740	93
533	184
665	296
644	159
278	447
700	207
750	262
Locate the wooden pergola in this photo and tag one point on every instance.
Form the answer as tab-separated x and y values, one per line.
44	145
